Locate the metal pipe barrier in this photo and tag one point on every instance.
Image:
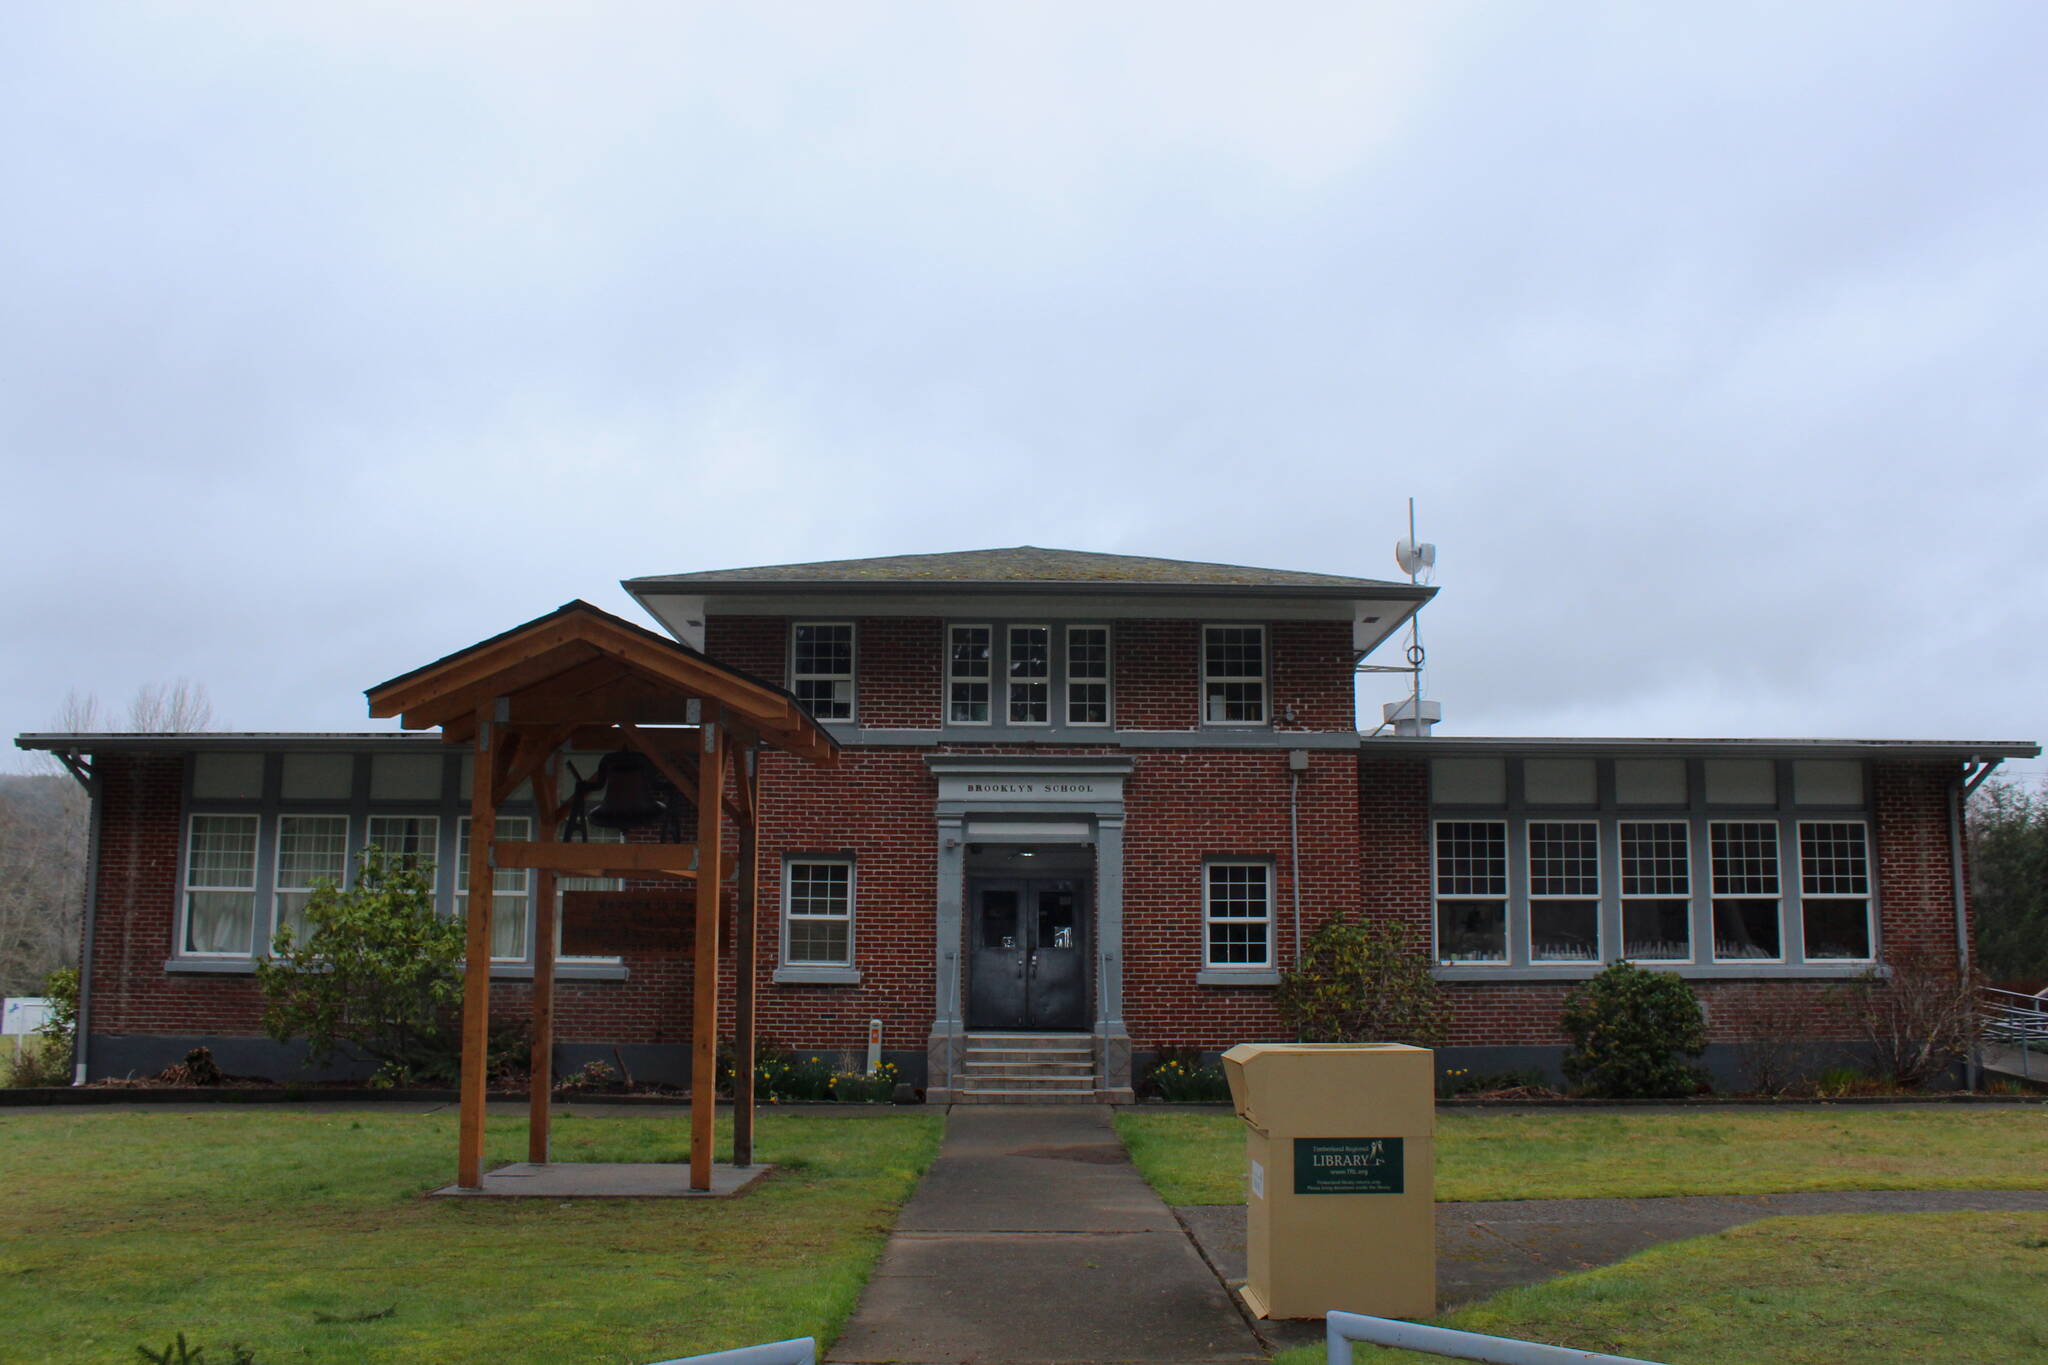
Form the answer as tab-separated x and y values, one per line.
797	1351
1341	1329
2013	1020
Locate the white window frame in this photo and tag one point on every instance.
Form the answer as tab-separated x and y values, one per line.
433	823
1012	685
1504	899
852	630
1533	897
1209	917
1624	899
278	888
1715	896
987	680
599	834
1868	895
187	887
525	892
1263	678
1105	682
789	914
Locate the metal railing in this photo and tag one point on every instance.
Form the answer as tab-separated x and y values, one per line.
2018	1023
1341	1329
796	1351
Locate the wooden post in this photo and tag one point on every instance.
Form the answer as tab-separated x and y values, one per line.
744	945
704	1024
476	967
541	1087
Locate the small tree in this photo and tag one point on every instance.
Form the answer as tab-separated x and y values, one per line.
1362	981
1919	1019
1630	1030
378	974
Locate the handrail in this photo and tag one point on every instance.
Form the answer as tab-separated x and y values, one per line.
1341	1329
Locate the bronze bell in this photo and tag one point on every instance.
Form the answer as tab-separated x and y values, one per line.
630	800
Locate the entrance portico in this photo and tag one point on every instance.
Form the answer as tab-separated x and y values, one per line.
1029	909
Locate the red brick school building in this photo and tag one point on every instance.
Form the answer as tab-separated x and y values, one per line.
1095	799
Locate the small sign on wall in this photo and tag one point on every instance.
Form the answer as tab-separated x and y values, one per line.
608	923
1348	1166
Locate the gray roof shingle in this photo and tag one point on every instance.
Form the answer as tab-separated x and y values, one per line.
1019	564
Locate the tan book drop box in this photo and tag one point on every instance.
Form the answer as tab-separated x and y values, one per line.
1341	1205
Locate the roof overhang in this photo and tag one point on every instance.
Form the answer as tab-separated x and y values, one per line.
218	741
1926	750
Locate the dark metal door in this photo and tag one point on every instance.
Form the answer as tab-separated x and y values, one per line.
1027	958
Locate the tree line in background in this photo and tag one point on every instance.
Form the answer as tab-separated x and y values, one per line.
2009	873
43	827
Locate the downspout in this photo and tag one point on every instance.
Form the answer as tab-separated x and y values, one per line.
90	780
1294	843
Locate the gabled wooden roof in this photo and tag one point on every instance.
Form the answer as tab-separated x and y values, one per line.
579	665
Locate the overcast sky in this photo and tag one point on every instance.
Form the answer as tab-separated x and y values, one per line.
1712	342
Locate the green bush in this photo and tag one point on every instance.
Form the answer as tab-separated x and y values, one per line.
1630	1030
871	1087
45	1056
1362	981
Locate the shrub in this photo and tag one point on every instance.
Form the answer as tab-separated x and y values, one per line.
379	976
870	1087
1918	1021
44	1058
1630	1029
1361	981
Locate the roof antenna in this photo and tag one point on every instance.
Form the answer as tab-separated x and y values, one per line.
1413	717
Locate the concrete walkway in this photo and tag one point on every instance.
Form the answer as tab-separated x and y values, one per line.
1033	1241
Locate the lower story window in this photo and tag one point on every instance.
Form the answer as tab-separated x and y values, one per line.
220	885
1471	891
817	900
1237	914
1747	920
1834	885
1656	890
511	889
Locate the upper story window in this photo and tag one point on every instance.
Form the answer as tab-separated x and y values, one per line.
1234	675
1030	688
1087	675
969	670
821	668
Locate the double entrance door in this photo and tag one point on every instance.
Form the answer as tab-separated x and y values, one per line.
1027	953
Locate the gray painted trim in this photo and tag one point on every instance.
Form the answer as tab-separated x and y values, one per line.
1723	971
1225	976
1238	737
1461	746
82	1026
1364	588
500	971
260	741
816	976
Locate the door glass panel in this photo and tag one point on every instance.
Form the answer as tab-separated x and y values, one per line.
1056	926
999	926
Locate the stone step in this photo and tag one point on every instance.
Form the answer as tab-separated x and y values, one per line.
1006	1080
1033	1066
1063	1042
994	1057
1031	1097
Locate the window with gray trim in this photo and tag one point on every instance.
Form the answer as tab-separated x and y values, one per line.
1748	925
511	889
1656	890
220	885
1234	675
970	669
311	849
1237	913
1834	885
1029	657
1471	891
1087	675
821	667
1564	891
817	909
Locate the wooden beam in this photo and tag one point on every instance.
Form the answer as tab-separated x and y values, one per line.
476	969
745	936
536	745
541	1085
704	1002
606	860
464	688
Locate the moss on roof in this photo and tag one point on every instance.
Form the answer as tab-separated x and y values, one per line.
1019	564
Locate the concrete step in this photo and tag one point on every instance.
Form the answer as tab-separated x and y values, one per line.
1087	1096
1012	1080
1063	1042
978	1056
1029	1068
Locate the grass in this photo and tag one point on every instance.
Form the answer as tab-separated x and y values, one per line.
1544	1154
1932	1287
121	1229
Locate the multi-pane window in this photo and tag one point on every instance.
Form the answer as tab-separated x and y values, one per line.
1087	675
1234	675
596	834
510	888
969	669
1746	889
1471	891
1656	890
405	837
817	899
1834	886
220	884
1030	673
821	668
1237	909
310	849
1564	891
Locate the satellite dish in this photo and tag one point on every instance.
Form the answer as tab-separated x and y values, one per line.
1414	558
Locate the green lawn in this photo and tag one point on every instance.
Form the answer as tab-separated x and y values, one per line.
1549	1154
252	1226
1933	1287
